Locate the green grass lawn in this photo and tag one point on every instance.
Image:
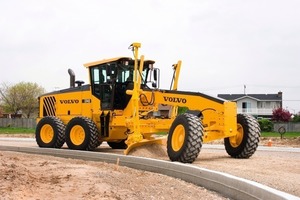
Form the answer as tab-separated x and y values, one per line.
13	130
276	134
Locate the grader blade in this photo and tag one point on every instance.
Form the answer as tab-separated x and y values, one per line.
161	141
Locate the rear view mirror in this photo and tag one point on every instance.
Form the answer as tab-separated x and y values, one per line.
155	82
155	74
108	70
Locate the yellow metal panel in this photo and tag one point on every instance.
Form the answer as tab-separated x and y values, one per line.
177	68
230	119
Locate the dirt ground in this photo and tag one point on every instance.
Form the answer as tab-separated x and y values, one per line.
26	176
279	170
43	177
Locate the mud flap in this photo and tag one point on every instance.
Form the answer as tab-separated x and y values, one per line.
104	121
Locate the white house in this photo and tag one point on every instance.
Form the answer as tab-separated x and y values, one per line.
258	105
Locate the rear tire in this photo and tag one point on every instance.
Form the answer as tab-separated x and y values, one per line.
185	138
118	145
50	132
245	143
82	134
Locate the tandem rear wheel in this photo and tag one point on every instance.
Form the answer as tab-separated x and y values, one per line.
81	133
50	132
118	145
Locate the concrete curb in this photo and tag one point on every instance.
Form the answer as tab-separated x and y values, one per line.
225	184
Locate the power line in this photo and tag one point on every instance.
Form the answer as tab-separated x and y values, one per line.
276	86
282	87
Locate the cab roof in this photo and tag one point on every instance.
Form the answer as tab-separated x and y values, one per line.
106	61
91	64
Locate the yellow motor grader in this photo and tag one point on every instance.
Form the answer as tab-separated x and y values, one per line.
124	106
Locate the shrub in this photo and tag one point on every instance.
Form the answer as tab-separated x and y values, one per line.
182	110
266	125
281	115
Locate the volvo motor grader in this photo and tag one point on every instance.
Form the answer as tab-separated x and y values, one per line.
124	106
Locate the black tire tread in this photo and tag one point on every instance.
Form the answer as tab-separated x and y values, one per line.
92	135
94	141
194	140
252	137
59	131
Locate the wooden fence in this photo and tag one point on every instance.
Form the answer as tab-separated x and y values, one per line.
289	126
31	123
18	122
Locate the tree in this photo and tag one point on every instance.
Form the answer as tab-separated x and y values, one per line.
20	98
281	115
1	112
296	117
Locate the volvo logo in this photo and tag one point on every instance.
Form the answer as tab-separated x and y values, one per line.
69	101
175	99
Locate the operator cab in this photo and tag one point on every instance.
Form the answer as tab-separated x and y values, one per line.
111	78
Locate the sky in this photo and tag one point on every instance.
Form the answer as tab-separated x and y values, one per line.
226	47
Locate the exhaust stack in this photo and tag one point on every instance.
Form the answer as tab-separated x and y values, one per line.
72	78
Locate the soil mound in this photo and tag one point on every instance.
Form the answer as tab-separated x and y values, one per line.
150	151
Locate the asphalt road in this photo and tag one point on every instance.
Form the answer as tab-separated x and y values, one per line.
30	142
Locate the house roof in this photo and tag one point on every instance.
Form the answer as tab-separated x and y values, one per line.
258	97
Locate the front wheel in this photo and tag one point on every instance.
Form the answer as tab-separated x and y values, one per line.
82	134
245	143
185	138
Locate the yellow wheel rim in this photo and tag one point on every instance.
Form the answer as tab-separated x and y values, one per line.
178	137
77	135
236	141
47	133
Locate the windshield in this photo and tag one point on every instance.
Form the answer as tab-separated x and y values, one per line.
118	72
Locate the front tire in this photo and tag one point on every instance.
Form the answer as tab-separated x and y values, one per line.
82	134
185	138
245	143
50	132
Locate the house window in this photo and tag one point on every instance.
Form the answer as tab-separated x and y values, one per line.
246	106
275	105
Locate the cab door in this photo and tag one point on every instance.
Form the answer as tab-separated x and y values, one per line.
102	80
